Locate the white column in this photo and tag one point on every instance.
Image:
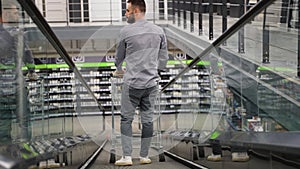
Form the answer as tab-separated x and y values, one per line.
166	9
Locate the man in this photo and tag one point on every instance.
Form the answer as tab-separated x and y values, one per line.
143	46
13	94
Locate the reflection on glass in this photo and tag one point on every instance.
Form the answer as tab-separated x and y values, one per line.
15	110
40	94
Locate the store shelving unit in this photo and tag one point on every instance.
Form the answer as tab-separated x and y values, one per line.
63	94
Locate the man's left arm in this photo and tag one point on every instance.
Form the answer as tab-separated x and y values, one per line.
163	54
120	57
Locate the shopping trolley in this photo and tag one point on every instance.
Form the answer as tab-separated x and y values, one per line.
116	90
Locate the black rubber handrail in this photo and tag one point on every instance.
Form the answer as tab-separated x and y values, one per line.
44	27
261	5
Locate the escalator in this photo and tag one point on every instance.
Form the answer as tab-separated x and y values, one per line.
266	105
264	91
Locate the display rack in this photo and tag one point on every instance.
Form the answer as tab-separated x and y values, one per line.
189	94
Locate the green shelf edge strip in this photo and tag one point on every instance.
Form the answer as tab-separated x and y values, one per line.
171	62
103	64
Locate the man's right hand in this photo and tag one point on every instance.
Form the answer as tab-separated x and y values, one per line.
118	73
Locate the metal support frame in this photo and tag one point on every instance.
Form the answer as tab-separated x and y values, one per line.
200	11
298	26
224	17
266	43
241	40
241	34
289	13
211	20
184	14
173	11
192	15
178	12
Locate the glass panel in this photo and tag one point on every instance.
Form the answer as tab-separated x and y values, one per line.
41	95
15	110
253	73
248	83
251	79
267	88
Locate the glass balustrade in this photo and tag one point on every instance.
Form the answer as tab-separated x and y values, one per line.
247	80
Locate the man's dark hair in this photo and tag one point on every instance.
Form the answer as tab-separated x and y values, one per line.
138	3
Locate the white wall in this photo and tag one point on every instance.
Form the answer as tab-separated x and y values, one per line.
152	7
105	10
100	10
55	10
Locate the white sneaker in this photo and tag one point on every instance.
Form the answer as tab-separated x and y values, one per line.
240	156
145	160
124	161
213	157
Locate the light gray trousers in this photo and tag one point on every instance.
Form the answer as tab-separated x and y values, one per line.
130	100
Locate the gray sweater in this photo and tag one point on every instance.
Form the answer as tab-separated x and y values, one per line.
143	46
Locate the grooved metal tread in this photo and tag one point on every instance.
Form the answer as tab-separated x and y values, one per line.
103	161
